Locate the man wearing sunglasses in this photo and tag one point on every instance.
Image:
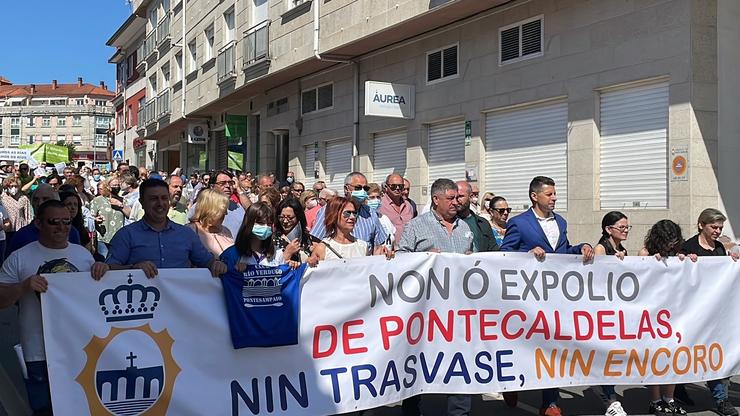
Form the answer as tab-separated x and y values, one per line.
30	233
540	230
367	227
21	280
394	206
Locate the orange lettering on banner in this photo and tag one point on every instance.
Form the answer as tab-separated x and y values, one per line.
654	361
700	357
676	355
612	360
715	366
640	363
541	361
585	365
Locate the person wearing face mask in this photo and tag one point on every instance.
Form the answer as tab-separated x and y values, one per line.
95	180
367	227
253	244
375	203
17	205
310	202
108	217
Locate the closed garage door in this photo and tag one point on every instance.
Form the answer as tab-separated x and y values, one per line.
447	151
338	164
634	148
389	155
524	143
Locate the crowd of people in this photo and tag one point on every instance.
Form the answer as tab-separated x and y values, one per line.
82	220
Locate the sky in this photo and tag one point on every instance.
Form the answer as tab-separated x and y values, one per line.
42	40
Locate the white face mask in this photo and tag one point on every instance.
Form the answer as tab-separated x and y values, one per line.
12	190
311	203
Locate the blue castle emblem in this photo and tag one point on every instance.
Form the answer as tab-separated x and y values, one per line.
129	302
142	388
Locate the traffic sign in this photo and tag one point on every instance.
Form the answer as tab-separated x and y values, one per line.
118	155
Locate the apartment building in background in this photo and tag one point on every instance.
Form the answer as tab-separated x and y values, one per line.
56	113
628	105
130	94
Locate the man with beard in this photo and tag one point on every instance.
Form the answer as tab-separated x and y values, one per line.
178	213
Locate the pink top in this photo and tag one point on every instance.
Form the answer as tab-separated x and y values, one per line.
216	243
311	216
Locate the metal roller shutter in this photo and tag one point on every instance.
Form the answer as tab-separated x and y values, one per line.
447	151
522	144
221	149
634	148
338	164
308	164
389	155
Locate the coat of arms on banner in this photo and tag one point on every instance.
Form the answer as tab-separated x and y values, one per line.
262	287
117	380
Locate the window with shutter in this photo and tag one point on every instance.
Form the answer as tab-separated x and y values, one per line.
442	64
521	40
389	155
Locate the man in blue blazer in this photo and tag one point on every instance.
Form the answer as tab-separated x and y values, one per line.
540	231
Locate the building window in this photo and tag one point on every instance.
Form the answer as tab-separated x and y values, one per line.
15	122
76	121
294	3
31	140
77	139
61	138
522	40
153	85
208	55
316	99
130	116
178	67
277	107
80	101
101	103
60	101
46	121
102	122
101	140
61	121
15	139
165	76
46	139
30	120
131	62
193	56
229	27
442	64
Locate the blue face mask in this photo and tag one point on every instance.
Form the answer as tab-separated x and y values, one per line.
373	204
96	177
289	179
360	195
263	232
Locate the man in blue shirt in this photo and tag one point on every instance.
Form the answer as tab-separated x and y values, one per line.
367	227
155	241
30	233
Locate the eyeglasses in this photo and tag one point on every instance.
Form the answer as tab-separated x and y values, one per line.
347	214
502	211
286	218
361	187
623	228
396	187
298	190
58	221
224	183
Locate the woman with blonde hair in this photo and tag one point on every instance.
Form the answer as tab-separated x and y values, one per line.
207	221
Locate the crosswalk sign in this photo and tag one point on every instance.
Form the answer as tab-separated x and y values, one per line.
118	155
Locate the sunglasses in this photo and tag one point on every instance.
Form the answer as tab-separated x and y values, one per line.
224	183
58	221
502	210
623	228
347	214
298	190
361	187
396	187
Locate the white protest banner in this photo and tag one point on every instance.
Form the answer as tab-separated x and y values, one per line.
15	155
373	332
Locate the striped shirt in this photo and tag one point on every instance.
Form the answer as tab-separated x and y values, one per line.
427	232
367	227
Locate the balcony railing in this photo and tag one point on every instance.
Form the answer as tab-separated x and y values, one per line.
141	118
163	103
150	44
256	44
150	111
101	140
163	30
226	62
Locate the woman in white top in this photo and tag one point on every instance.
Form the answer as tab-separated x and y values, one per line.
340	218
253	244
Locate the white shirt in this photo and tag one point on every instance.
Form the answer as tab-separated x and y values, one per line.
33	259
550	228
347	251
389	228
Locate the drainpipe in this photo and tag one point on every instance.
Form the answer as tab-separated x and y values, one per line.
183	52
356	79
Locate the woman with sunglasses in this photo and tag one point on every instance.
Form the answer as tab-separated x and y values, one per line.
614	230
253	244
340	219
499	210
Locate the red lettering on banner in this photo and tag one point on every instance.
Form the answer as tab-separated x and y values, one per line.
386	333
539	326
602	324
558	328
485	324
467	314
505	324
622	330
646	325
662	319
317	336
348	336
580	336
435	321
409	327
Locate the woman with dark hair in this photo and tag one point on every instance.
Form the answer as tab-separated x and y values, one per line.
709	226
664	240
499	210
73	203
291	234
253	244
614	230
270	196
